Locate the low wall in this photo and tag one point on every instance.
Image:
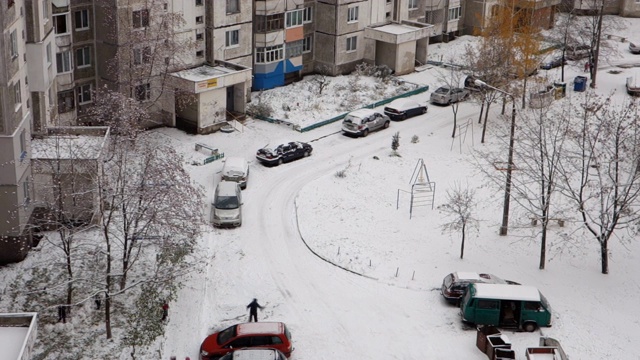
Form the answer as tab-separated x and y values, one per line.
339	117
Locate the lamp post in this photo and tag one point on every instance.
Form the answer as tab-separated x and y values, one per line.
507	187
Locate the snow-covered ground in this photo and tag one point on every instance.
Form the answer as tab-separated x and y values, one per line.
300	217
303	226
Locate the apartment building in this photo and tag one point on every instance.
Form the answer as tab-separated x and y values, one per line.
15	132
626	8
297	37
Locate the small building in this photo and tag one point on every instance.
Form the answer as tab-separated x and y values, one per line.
66	164
18	335
207	94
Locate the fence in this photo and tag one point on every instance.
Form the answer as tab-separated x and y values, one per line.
339	117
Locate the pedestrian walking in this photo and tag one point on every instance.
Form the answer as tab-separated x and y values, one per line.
253	310
587	66
165	311
97	301
62	314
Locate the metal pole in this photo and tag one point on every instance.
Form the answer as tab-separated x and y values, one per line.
507	187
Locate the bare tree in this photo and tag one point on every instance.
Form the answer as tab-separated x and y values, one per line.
322	79
452	78
540	147
151	216
600	173
459	206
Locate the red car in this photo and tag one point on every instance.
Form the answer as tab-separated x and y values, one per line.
273	335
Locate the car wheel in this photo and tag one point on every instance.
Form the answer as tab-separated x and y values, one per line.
365	132
449	102
307	153
386	124
280	161
529	327
424	110
404	117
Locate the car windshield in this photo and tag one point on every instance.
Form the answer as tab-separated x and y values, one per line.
226	335
442	90
226	202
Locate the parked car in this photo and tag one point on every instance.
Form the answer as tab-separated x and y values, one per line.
577	52
455	284
400	109
522	307
446	95
290	151
635	49
553	62
255	354
226	209
361	122
236	169
273	335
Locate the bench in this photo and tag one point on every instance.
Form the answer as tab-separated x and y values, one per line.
213	158
200	146
616	37
534	221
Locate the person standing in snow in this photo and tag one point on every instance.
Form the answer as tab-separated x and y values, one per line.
253	310
62	314
165	311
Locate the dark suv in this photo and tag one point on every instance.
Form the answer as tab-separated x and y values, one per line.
455	284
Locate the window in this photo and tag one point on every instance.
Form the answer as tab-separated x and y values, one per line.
199	19
294	18
142	55
60	24
307	15
83	57
307	44
143	92
352	43
48	51
233	6
23	145
14	44
63	60
45	10
82	20
65	101
198	2
532	305
268	23
26	192
413	4
200	53
17	94
269	54
293	49
454	13
199	36
232	38
140	18
352	14
84	94
487	304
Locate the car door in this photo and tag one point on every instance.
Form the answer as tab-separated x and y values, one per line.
378	120
238	343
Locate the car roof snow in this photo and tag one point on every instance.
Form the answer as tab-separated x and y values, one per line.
259	328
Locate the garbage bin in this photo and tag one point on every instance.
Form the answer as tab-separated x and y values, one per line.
504	354
496	342
481	336
580	83
561	89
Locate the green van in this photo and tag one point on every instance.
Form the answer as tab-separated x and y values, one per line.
505	305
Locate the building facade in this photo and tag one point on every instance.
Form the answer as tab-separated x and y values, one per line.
15	133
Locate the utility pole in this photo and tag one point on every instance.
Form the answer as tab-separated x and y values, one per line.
596	53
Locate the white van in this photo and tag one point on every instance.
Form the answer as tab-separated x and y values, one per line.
226	209
236	169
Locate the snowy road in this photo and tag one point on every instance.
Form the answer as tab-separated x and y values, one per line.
331	313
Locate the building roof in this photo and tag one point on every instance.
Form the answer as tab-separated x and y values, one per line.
204	72
68	147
